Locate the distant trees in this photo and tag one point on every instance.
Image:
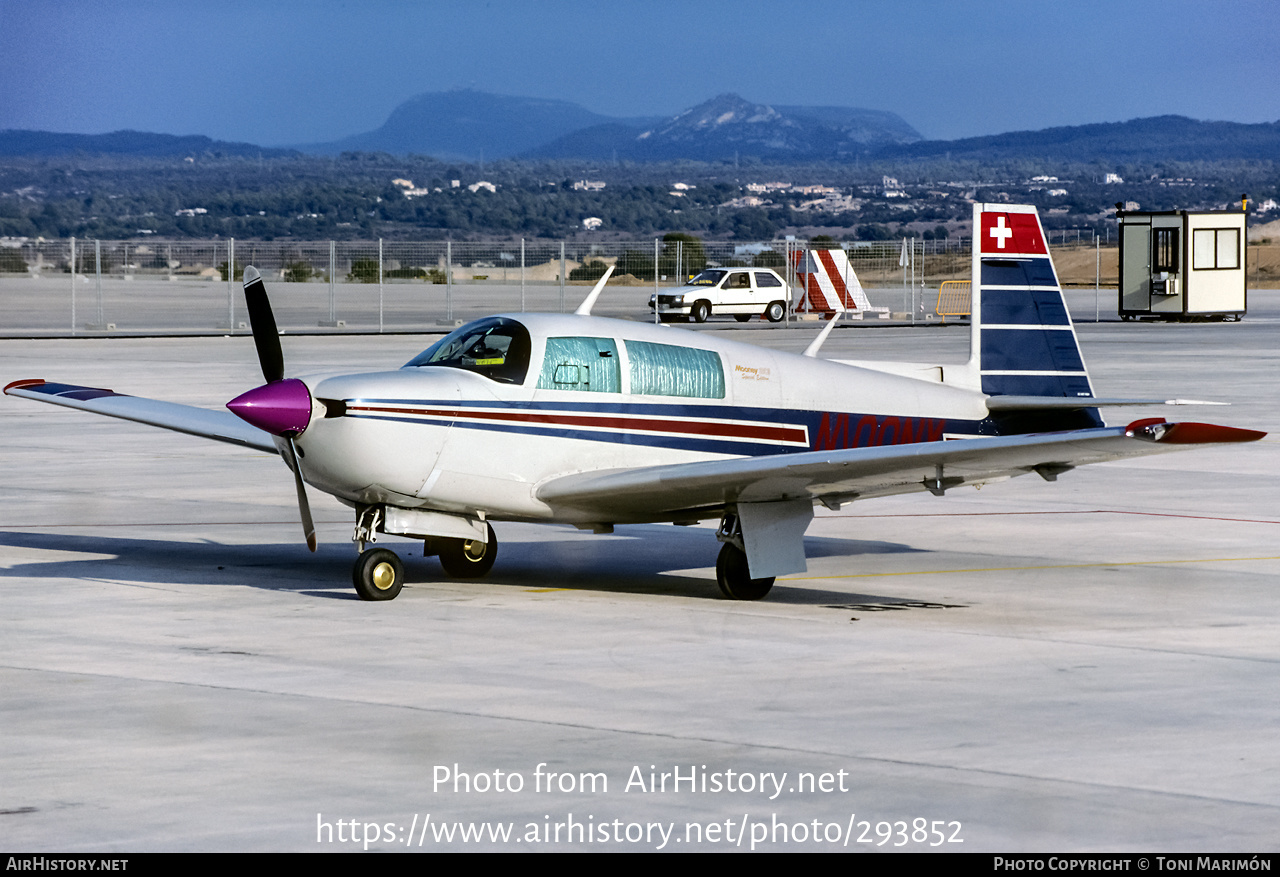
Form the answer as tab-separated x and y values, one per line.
11	261
682	256
638	265
297	272
363	271
590	270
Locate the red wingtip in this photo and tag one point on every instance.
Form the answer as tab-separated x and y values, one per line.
1208	433
25	382
1155	429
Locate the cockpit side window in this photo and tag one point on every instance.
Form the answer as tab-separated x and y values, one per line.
584	364
496	347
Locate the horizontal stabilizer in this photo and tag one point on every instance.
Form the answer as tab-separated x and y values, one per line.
222	426
1070	403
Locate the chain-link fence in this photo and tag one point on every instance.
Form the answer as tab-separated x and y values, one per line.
74	285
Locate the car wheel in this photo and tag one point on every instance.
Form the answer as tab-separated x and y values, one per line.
701	310
775	312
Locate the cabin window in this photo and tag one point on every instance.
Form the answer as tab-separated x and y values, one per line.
497	348
584	364
666	370
1215	248
764	279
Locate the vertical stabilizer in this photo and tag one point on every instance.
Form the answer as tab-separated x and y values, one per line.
1023	342
830	284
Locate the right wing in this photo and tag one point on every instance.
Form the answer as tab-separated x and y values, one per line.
222	426
655	493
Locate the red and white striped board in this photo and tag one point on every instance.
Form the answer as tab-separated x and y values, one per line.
829	282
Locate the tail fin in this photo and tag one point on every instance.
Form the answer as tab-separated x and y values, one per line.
830	284
1022	342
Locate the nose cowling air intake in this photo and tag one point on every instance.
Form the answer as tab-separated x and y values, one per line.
281	408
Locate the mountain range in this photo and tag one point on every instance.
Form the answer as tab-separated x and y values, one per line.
466	125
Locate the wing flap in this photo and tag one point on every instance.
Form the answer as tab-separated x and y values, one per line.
222	426
659	491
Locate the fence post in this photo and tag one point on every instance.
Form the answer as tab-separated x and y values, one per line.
379	286
231	282
448	280
73	286
655	281
97	270
333	316
522	275
562	277
1097	278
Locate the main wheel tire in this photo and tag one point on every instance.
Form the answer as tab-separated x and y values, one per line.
700	311
378	575
775	312
742	318
735	579
468	558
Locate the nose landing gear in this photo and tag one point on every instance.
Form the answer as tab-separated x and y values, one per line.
378	574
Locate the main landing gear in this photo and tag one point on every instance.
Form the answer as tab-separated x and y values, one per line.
732	574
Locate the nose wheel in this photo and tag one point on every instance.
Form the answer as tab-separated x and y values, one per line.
378	574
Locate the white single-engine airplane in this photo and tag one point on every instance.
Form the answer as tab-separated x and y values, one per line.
596	422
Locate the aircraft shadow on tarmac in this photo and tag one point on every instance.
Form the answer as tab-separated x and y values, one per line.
635	560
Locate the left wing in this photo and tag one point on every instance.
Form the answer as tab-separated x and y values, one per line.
663	492
222	426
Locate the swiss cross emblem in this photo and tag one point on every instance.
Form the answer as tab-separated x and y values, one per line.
1001	232
1012	232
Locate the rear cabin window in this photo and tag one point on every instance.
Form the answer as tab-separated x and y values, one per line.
585	364
665	370
497	348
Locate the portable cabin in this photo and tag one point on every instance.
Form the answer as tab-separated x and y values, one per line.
1182	264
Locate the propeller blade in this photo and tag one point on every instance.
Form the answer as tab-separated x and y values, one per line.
266	337
304	507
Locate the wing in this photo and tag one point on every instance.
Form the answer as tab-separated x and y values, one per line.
222	426
658	493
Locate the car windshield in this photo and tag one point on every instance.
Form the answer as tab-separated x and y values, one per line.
496	347
710	277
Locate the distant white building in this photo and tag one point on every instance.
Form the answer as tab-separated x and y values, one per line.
588	185
591	223
482	184
1112	178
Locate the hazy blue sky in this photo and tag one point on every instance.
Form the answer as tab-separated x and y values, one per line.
292	72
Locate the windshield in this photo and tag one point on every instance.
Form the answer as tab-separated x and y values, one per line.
710	277
496	347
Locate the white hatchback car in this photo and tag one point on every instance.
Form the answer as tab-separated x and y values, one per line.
741	292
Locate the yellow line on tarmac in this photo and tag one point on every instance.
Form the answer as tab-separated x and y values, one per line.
935	572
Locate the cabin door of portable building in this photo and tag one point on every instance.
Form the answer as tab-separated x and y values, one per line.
1135	270
1168	280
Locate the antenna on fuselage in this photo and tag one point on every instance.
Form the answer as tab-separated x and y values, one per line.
584	309
812	349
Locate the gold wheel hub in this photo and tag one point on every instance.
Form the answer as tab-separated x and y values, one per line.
473	550
384	576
